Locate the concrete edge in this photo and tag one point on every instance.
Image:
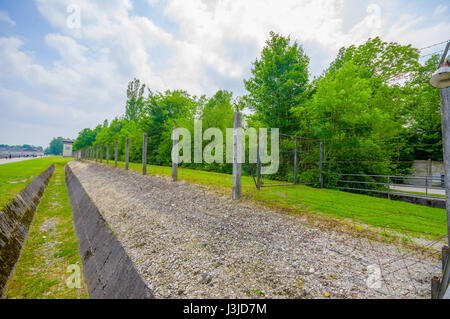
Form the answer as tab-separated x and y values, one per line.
108	271
15	221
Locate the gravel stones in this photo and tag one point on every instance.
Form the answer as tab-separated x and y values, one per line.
190	242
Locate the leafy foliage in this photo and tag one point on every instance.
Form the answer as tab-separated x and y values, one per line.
373	108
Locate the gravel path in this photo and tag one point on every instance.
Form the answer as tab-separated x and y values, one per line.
189	242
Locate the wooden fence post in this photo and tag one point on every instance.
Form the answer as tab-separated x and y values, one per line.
435	282
107	154
127	153
144	154
115	154
175	154
237	155
101	153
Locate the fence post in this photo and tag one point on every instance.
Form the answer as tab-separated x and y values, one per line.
237	154
96	153
389	187
101	153
426	185
175	154
444	91
320	165
435	282
107	154
127	153
295	161
445	255
115	154
144	154
258	162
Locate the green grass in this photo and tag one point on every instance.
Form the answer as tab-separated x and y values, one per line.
390	215
15	176
51	247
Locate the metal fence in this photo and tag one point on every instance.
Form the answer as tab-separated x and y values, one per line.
421	186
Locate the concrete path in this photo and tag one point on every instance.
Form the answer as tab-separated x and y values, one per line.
419	190
16	159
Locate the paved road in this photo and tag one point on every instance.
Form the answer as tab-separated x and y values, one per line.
419	190
16	159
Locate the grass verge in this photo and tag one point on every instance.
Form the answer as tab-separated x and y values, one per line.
51	246
15	176
386	215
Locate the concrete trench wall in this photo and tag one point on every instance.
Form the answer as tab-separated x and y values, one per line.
107	269
15	220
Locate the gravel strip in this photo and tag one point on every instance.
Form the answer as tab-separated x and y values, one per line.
190	242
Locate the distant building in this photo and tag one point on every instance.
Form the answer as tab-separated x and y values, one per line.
12	152
67	147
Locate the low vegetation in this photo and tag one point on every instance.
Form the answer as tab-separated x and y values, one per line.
14	177
52	245
389	215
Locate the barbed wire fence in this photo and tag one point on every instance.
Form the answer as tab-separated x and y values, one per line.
303	161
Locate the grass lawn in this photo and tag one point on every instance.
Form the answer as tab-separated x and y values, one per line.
51	246
390	215
15	176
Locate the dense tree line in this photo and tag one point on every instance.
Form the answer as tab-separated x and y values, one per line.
372	107
55	147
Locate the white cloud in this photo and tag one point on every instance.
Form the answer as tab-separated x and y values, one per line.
4	16
214	48
440	9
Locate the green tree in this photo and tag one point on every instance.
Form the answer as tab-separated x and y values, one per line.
279	78
56	146
135	100
424	131
386	61
161	112
354	130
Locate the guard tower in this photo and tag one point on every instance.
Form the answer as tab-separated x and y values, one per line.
67	147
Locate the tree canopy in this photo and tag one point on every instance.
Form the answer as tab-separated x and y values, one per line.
373	108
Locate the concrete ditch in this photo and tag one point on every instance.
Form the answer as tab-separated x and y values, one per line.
107	269
15	220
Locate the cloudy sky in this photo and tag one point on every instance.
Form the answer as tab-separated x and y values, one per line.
65	64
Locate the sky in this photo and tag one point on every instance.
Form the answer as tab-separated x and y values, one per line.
65	64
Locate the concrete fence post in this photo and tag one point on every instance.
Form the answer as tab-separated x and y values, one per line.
295	160
237	155
175	154
144	154
115	153
260	150
127	153
321	165
107	154
101	153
